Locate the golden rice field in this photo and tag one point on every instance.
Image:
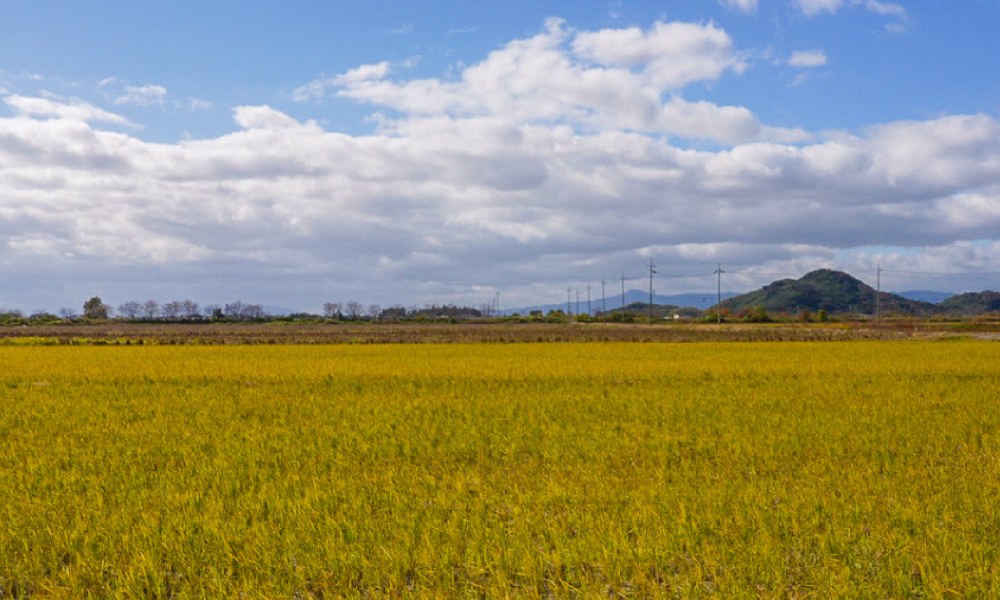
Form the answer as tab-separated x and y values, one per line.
711	470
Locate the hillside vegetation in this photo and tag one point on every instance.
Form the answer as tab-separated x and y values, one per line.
839	293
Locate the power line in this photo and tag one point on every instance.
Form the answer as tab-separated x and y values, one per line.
936	272
652	271
878	294
770	274
623	292
717	273
718	311
604	305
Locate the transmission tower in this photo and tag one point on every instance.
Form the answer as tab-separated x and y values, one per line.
652	270
878	293
604	305
623	292
718	292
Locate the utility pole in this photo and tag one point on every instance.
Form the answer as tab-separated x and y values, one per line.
577	301
718	292
588	299
623	292
878	293
569	309
651	271
498	304
604	305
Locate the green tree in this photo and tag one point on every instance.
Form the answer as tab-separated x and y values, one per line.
95	308
758	315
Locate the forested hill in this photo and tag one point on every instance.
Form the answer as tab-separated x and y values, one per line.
833	291
971	303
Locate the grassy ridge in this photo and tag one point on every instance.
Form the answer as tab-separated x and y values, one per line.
854	470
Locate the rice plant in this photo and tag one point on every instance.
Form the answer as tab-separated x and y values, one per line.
780	470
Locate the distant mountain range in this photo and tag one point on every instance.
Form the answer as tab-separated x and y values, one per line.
926	295
839	293
701	301
835	292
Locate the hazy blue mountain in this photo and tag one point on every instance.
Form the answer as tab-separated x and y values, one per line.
699	300
926	295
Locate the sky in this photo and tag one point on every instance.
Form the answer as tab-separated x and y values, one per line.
300	152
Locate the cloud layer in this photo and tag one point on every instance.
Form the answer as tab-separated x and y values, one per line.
567	156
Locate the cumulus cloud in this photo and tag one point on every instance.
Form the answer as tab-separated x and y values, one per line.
444	199
609	79
63	108
315	90
524	172
669	56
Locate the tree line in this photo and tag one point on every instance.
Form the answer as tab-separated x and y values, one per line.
188	310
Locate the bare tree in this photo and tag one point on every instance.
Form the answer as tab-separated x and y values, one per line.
172	310
150	308
212	311
252	311
67	313
190	309
331	310
234	310
374	310
130	309
354	309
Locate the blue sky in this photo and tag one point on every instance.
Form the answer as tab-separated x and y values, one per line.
293	153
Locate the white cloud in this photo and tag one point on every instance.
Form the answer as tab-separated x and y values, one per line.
405	28
263	117
807	58
813	7
554	159
194	104
885	8
62	108
889	9
446	199
121	93
670	55
315	90
746	6
146	95
607	79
